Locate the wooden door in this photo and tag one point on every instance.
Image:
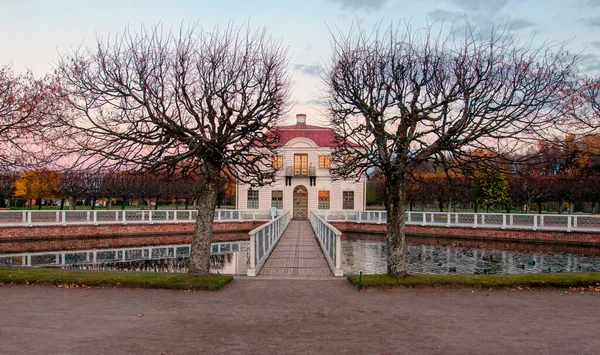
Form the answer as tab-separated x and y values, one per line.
300	202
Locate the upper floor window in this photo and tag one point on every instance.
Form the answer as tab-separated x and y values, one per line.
324	161
277	161
252	199
277	199
324	201
300	164
348	200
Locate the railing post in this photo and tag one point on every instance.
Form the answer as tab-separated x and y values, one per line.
57	216
541	220
338	256
150	216
575	222
252	268
448	220
95	214
29	219
175	216
64	218
475	218
511	220
423	218
124	217
535	222
568	223
87	216
483	219
503	221
456	218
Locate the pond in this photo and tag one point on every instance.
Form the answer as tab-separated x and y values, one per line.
360	252
454	256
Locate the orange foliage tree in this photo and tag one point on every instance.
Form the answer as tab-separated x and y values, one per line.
37	184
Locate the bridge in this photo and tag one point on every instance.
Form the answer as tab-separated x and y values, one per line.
283	248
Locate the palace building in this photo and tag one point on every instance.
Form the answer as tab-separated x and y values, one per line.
304	182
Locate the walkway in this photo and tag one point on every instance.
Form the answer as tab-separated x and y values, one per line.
297	256
291	317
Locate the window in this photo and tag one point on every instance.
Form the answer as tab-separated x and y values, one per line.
277	161
348	200
324	161
252	199
277	199
324	200
300	164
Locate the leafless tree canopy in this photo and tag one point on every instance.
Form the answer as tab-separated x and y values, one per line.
399	97
187	101
190	99
28	120
404	96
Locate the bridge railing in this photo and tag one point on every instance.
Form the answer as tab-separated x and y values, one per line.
331	242
95	217
562	222
264	238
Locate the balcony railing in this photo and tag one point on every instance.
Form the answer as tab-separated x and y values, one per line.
295	171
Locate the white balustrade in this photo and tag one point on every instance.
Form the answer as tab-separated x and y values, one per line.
95	217
330	239
558	222
264	238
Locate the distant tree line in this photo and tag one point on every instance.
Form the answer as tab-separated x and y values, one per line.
115	189
565	175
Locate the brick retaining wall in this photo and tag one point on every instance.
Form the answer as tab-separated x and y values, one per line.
543	236
46	238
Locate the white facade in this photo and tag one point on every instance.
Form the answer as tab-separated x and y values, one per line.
293	178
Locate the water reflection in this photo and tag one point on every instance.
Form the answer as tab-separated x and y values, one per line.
447	256
231	263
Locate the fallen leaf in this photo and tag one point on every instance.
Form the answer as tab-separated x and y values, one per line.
140	315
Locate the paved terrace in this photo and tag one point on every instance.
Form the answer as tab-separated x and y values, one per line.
297	255
253	316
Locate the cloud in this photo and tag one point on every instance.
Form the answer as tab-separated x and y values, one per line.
311	70
369	5
591	21
519	24
595	44
478	5
314	102
589	62
593	3
452	16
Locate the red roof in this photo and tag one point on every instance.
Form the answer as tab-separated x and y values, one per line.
322	136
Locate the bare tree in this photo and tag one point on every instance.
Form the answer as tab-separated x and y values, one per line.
28	124
398	98
191	101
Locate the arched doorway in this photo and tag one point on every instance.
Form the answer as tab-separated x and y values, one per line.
300	202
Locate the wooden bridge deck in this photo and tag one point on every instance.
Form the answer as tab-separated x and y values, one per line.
297	256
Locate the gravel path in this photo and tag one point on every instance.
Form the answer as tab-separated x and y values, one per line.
294	317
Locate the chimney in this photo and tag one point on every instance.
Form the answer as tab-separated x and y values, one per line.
301	119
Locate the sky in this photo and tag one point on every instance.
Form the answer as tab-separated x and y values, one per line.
34	33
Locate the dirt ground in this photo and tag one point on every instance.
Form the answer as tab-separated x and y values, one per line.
294	317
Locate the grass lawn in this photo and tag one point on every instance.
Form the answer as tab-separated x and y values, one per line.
558	280
73	278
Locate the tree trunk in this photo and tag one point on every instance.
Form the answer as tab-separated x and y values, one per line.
93	203
199	262
396	239
441	205
38	202
123	202
187	203
156	203
539	203
62	204
475	207
72	203
412	202
560	206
